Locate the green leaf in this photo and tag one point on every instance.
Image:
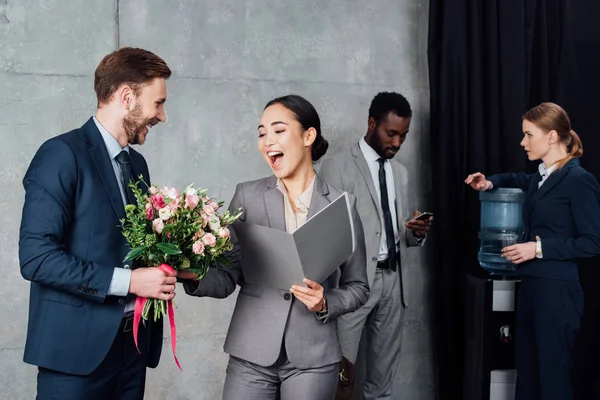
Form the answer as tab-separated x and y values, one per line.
168	228
168	248
222	260
134	253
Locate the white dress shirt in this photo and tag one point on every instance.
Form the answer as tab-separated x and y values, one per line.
371	157
545	172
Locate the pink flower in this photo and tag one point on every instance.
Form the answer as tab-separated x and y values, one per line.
204	219
171	193
152	190
191	201
198	247
209	239
175	204
208	210
158	225
149	212
213	204
224	232
157	201
198	234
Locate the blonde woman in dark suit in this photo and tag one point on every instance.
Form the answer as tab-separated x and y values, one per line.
562	225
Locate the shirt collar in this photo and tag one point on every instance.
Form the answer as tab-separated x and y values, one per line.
545	172
370	154
305	198
112	146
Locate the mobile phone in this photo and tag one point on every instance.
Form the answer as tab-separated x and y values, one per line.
423	216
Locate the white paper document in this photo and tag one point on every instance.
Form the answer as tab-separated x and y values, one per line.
279	259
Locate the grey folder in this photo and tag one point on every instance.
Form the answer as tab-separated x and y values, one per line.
279	259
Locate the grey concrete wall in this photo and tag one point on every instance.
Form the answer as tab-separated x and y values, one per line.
229	58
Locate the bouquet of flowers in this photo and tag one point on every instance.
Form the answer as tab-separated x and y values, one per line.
174	231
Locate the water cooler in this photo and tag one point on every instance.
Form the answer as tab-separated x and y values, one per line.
490	300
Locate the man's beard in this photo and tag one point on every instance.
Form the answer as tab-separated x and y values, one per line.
379	147
135	125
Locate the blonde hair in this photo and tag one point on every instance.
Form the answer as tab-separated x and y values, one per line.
552	117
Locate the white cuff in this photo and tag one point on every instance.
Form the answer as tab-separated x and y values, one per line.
119	284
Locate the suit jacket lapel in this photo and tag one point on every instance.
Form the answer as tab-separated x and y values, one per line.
552	180
274	205
533	188
362	166
102	161
318	200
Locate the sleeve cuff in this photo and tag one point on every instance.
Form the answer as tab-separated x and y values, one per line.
322	316
421	239
119	284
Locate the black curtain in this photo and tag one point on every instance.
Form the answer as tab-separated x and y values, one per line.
489	62
585	101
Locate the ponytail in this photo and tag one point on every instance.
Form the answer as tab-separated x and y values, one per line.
574	148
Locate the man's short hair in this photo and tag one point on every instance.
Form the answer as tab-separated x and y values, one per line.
385	102
128	65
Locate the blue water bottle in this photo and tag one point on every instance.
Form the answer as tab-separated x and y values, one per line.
501	226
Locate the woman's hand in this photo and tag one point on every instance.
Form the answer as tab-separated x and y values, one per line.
478	182
192	276
519	253
312	296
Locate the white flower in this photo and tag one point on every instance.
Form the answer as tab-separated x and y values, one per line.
191	191
164	213
214	223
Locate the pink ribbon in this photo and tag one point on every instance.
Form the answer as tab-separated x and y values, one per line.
140	302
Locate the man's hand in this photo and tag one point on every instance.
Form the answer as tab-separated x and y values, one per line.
152	283
419	227
312	296
519	253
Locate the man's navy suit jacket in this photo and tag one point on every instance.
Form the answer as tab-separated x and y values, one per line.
70	242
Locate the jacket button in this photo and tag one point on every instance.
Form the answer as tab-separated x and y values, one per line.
81	289
121	301
287	296
378	233
94	291
126	266
374	259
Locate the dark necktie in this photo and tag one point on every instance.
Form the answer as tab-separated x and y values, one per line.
387	217
126	175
